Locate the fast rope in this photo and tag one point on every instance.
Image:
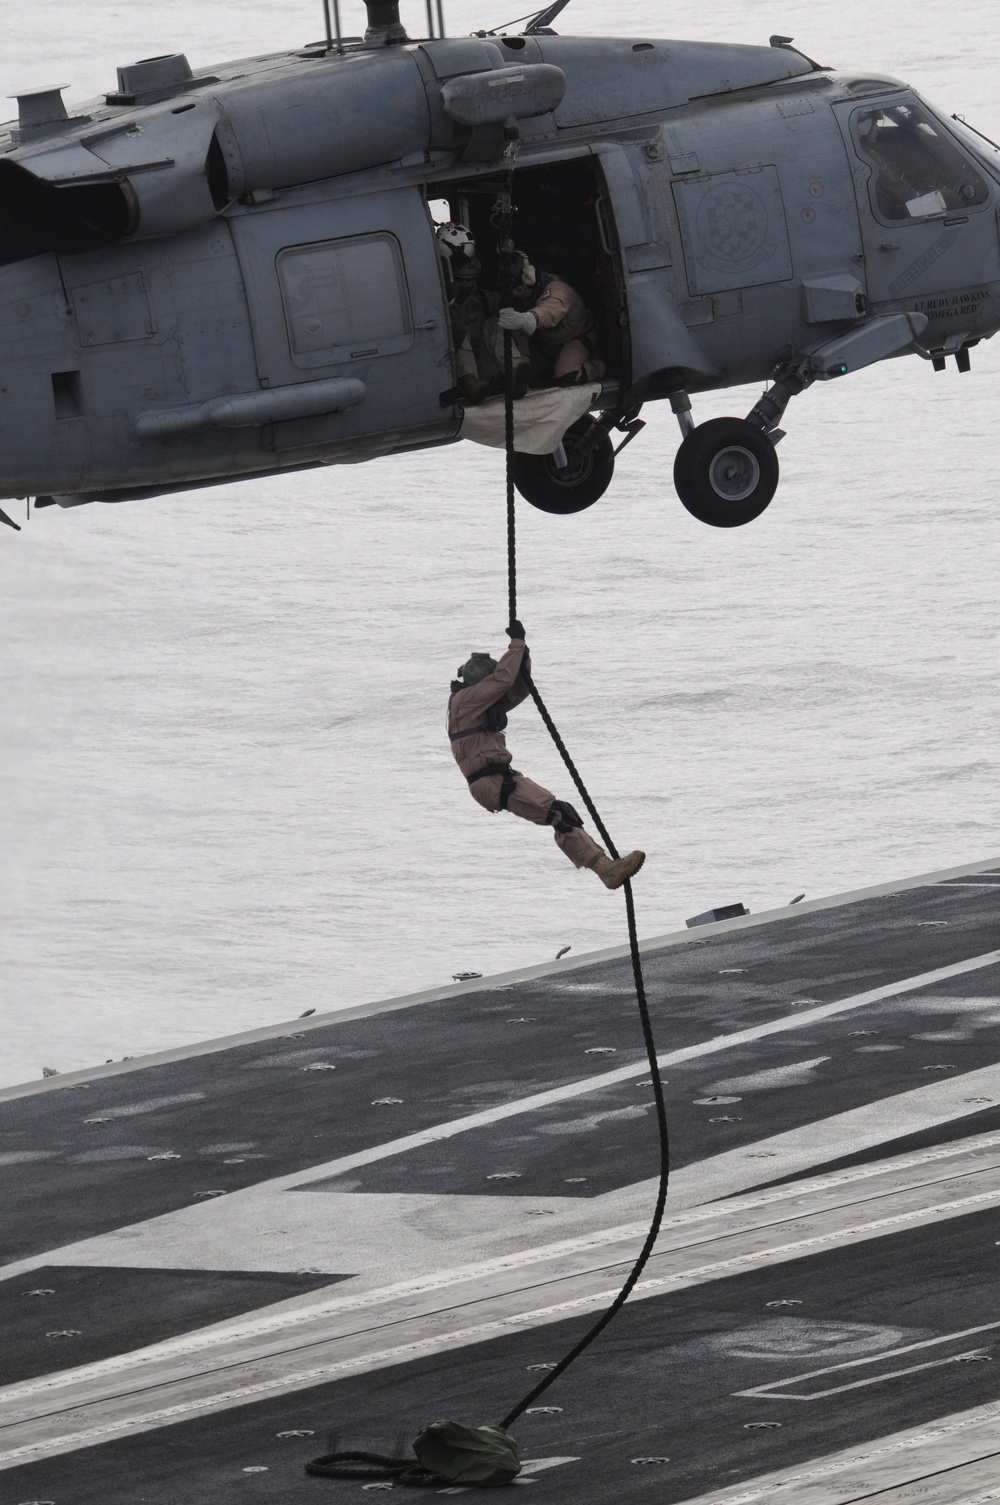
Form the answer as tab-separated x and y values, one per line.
449	1452
636	956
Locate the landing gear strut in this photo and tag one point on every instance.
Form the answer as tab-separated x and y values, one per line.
726	471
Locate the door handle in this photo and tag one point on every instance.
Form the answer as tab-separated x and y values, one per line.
427	324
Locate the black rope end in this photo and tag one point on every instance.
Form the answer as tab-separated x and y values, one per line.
445	1453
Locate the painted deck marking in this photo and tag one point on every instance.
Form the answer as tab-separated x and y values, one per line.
963	1443
284	1324
800	1148
529	1468
719	1043
233	1391
773	1390
875	1379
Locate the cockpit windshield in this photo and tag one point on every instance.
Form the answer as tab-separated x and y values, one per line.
919	170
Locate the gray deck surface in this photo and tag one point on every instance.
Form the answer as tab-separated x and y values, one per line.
234	1245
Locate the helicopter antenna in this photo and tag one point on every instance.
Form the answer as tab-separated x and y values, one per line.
545	20
540	19
438	6
333	25
962	121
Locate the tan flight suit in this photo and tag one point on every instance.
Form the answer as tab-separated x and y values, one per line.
477	745
565	331
565	338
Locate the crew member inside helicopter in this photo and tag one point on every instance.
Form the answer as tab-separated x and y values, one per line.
555	334
477	716
474	311
919	172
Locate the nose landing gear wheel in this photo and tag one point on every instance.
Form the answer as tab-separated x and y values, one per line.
591	457
726	472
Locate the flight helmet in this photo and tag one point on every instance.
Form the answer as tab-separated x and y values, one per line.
479	667
521	275
457	246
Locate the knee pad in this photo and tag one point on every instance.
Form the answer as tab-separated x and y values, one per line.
563	816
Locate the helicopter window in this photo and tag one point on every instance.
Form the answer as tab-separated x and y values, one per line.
344	293
920	171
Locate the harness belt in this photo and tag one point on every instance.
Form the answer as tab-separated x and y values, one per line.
496	721
474	731
505	772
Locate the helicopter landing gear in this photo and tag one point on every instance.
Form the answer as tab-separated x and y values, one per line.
573	478
726	471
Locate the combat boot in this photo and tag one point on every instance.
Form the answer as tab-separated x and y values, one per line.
614	873
472	390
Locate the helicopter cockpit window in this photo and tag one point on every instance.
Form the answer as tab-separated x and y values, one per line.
919	171
343	298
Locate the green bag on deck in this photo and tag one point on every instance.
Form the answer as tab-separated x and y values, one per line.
486	1456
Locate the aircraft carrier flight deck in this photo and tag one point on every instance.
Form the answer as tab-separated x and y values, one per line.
220	1263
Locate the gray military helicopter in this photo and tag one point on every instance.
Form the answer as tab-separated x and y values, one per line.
230	273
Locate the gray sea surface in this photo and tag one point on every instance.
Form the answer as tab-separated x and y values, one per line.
226	792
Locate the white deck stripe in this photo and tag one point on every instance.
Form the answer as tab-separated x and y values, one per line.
602	1247
961	1444
151	1404
718	1176
801	1019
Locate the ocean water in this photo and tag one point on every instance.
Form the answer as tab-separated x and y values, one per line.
226	793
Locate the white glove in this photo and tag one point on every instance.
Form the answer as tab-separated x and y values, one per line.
525	323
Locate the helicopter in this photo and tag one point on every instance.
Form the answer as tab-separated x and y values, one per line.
230	273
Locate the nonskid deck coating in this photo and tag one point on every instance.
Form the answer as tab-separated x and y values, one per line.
254	1120
257	1111
666	1381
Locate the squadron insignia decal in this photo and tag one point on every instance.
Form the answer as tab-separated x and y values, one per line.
733	225
734	231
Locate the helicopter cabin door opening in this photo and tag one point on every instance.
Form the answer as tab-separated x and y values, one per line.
350	288
563	223
928	216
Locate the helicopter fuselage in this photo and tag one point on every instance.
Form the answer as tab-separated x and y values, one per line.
233	274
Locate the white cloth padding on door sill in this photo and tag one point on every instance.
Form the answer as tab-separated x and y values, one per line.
540	420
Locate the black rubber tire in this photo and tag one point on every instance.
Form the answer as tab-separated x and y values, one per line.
581	485
726	455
